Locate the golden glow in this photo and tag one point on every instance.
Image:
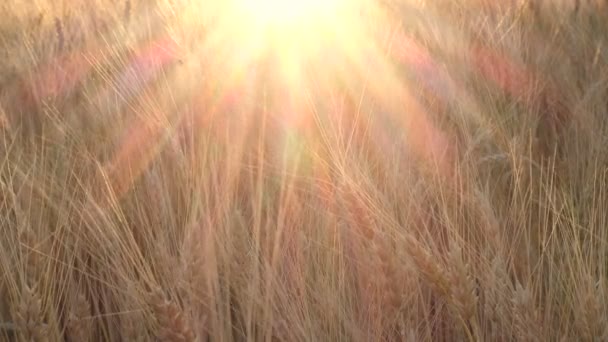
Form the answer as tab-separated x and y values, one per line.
293	46
281	23
293	35
290	14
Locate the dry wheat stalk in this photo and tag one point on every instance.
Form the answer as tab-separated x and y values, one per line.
411	335
527	325
127	12
602	298
132	329
381	276
174	326
495	286
488	220
29	317
591	320
463	293
463	287
33	259
432	271
79	325
194	283
390	275
59	32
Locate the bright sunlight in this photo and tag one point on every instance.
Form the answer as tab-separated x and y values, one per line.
303	170
280	25
290	14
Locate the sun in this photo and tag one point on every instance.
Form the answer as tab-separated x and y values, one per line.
290	14
281	25
288	19
295	46
296	33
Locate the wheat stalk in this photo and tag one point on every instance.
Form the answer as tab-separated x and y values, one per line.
591	320
174	326
463	286
463	290
60	34
432	271
31	251
79	325
127	12
527	325
29	317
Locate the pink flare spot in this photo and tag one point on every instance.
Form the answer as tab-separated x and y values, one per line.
57	78
522	84
511	78
136	150
145	64
430	143
424	67
160	52
422	137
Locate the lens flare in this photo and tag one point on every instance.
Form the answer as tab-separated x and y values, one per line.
288	14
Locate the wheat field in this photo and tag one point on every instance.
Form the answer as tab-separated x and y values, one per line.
401	170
